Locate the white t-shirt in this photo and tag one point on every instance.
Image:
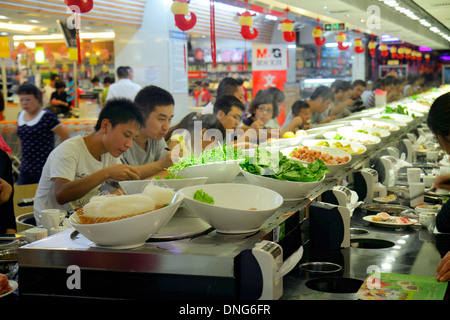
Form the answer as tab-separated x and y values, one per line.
47	95
124	88
70	160
209	108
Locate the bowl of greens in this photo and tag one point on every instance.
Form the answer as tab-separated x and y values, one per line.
290	178
219	165
232	207
136	186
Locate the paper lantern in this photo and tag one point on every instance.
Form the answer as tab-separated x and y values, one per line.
419	56
359	48
83	5
427	57
407	53
180	9
401	53
413	55
287	28
246	21
393	52
319	39
340	39
384	50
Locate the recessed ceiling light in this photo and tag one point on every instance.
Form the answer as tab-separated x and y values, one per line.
3	17
34	21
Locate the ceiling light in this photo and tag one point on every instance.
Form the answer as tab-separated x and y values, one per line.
3	18
34	21
16	27
58	36
270	17
334	44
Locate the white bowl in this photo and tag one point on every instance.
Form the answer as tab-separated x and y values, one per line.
368	140
375	124
334	168
427	208
381	133
320	129
231	211
395	116
329	135
289	190
137	186
400	125
216	172
285	142
354	145
129	232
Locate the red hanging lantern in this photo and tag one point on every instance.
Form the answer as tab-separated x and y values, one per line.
319	39
78	7
246	21
180	9
372	45
419	56
407	53
393	52
384	53
287	28
427	57
340	39
401	53
359	48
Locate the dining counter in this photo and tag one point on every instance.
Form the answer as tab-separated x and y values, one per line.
413	250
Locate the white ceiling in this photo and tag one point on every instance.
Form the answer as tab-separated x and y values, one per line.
352	12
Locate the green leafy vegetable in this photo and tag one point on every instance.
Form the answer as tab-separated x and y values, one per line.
338	137
202	196
399	109
278	166
223	153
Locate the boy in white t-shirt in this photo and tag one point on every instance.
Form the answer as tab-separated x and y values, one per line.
77	169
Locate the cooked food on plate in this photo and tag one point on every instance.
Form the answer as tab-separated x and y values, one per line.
303	153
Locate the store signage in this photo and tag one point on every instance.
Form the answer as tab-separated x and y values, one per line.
269	57
197	74
5	50
334	27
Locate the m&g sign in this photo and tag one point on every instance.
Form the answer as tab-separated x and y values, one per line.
269	57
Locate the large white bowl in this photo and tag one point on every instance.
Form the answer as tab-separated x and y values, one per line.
216	172
334	168
129	232
396	117
231	211
401	125
375	124
137	186
368	140
320	129
285	142
354	145
289	190
373	131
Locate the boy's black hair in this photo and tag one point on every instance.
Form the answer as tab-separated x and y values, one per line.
227	86
122	72
150	97
297	106
358	83
439	116
29	88
54	76
119	110
323	92
342	85
60	84
108	80
95	79
226	102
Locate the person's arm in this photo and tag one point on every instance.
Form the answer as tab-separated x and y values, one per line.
6	191
443	269
67	190
155	168
296	122
347	103
61	132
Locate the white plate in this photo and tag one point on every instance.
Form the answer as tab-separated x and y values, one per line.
384	199
14	285
387	223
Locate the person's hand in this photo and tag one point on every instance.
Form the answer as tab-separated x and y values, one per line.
5	191
297	121
123	172
257	124
349	102
443	269
166	160
442	182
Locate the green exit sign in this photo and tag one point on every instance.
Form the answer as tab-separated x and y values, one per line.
334	27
